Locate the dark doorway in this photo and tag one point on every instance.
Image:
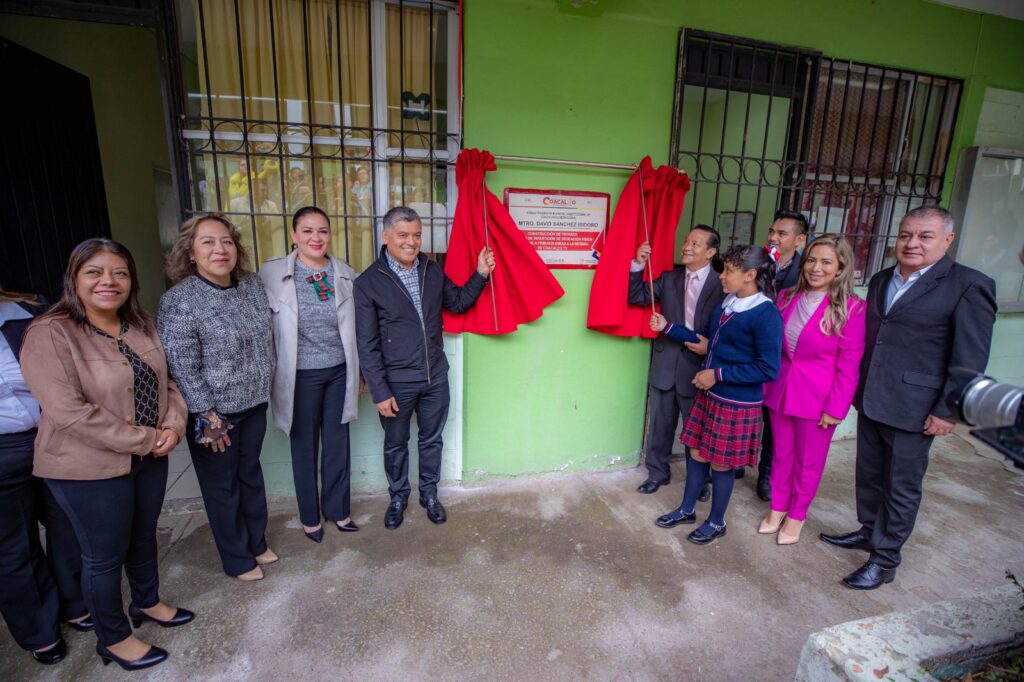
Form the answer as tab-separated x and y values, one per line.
51	191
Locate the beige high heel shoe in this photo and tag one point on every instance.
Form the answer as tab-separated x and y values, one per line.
249	576
768	526
267	557
790	532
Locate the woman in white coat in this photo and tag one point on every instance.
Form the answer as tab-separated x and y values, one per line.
316	383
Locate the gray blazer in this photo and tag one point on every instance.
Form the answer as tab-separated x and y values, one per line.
672	363
278	280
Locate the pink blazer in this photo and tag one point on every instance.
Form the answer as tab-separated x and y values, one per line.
821	376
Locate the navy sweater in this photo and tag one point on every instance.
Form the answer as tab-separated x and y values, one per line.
745	351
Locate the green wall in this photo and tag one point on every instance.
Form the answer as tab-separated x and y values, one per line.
121	64
542	79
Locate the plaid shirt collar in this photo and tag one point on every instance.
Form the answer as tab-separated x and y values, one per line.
410	279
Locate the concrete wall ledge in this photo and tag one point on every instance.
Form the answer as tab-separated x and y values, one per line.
932	642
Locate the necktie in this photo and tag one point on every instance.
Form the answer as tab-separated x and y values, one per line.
691	298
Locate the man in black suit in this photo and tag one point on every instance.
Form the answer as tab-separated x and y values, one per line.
787	233
925	315
687	295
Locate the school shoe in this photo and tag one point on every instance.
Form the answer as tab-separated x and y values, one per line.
149	659
180	617
435	510
705	493
764	489
675	518
869	577
395	513
706	533
54	654
651	486
854	540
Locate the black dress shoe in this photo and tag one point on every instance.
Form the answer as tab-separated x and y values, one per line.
85	625
869	576
675	518
435	510
854	540
349	527
395	513
649	486
54	654
180	617
705	493
764	489
700	537
149	659
316	536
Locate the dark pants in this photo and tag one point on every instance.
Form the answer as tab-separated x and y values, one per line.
764	463
666	408
319	404
63	554
115	523
429	400
891	464
29	600
233	490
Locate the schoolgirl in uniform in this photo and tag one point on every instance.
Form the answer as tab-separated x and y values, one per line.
743	345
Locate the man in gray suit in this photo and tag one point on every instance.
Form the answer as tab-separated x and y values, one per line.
925	316
687	296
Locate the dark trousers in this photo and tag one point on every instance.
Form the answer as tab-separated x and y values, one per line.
115	523
764	462
29	601
429	400
63	554
666	408
316	413
891	464
233	490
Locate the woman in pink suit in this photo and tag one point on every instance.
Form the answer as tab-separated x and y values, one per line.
821	351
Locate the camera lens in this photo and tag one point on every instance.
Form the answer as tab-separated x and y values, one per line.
986	403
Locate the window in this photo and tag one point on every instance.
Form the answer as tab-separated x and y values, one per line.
853	146
348	105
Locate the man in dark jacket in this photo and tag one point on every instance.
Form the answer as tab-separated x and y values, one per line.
401	353
787	233
687	295
925	316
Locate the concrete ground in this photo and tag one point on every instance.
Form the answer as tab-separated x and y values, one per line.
557	577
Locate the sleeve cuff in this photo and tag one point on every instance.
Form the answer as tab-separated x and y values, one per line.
636	266
718	374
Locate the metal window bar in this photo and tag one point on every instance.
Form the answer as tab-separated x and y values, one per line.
211	139
850	160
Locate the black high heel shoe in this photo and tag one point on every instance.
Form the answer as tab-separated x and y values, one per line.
349	527
181	616
149	659
316	536
84	625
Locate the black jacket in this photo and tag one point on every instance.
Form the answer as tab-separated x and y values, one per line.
394	344
672	363
14	330
787	276
944	320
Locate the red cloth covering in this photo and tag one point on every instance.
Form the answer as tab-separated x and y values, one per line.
665	190
522	283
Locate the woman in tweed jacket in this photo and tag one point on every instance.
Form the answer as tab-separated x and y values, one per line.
215	325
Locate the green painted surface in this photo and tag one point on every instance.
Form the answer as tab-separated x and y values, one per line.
121	64
542	79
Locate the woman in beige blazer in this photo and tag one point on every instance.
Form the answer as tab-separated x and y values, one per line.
110	415
316	383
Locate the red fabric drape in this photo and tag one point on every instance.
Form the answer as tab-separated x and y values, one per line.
664	191
523	285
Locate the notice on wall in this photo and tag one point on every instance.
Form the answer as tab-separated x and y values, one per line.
562	225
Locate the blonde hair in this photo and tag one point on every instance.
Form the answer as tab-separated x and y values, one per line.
840	292
15	297
179	265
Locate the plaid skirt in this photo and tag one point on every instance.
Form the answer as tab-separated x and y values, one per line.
726	435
